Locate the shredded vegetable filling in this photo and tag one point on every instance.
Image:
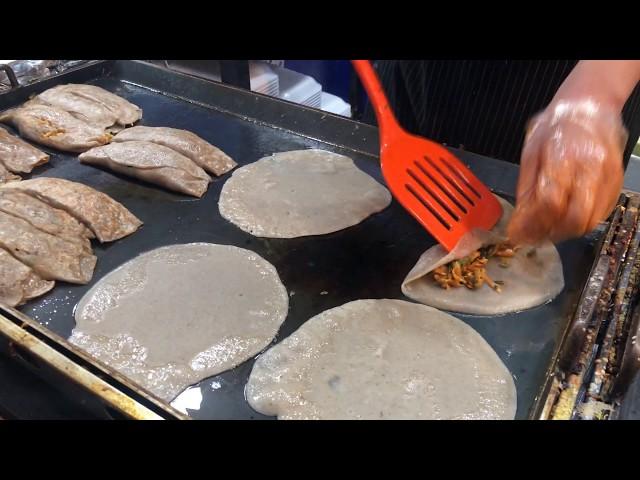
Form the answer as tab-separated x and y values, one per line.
471	271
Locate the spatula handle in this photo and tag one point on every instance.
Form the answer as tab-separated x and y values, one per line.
369	78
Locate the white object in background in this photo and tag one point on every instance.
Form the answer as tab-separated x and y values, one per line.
316	100
298	88
262	78
275	63
189	399
4	62
333	104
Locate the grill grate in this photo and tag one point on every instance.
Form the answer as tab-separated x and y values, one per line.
599	357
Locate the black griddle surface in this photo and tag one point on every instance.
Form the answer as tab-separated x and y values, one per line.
369	260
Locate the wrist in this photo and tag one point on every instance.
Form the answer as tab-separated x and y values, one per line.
587	101
584	110
608	83
600	118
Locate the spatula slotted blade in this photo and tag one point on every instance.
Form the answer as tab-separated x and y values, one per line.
426	178
437	189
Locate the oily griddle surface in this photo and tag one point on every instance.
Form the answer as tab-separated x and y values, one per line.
369	260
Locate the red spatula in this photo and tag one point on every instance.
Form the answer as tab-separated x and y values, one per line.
426	178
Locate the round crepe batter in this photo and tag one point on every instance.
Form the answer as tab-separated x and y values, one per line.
300	193
178	314
533	277
382	359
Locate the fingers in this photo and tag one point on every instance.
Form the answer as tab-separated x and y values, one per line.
609	183
569	181
609	191
529	164
574	221
542	193
520	229
569	195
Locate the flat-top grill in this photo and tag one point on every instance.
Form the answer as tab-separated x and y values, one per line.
550	349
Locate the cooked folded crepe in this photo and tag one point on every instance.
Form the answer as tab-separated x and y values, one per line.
205	155
19	283
152	163
6	176
108	219
51	257
80	107
18	156
45	217
125	112
54	127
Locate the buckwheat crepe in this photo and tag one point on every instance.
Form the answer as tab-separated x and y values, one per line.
382	359
300	193
533	275
178	314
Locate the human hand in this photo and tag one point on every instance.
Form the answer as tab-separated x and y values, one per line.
571	171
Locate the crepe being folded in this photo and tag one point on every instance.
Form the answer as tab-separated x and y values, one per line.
485	275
